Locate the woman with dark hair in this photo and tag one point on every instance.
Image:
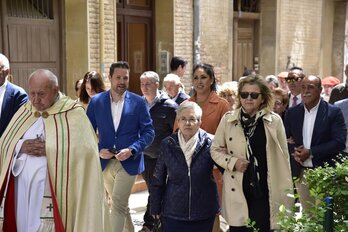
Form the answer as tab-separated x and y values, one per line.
213	106
78	84
250	144
91	85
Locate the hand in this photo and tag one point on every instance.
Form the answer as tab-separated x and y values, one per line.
290	140
156	216
123	154
301	154
241	165
34	147
106	154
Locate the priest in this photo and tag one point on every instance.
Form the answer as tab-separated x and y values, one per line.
50	175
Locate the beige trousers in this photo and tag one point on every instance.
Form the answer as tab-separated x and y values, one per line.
118	184
307	201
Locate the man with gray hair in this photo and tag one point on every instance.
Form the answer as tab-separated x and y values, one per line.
50	173
163	112
172	85
11	96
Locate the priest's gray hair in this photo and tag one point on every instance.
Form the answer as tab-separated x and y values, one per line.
47	73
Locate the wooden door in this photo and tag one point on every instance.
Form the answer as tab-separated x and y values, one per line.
243	47
135	38
31	37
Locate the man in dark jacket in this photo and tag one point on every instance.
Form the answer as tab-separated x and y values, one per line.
163	113
11	96
172	85
316	133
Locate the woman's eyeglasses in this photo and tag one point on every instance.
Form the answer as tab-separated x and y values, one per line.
253	95
278	103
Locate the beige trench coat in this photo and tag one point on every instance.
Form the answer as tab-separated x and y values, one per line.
230	135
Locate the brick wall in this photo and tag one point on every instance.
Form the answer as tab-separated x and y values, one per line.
339	40
183	36
300	34
215	36
109	34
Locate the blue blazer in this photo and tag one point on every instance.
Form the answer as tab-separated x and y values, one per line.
329	133
135	130
14	98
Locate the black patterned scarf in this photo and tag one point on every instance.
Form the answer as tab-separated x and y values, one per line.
249	125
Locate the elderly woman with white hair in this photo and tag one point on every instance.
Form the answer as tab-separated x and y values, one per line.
174	88
183	190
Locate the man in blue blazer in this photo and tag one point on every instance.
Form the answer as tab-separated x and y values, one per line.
11	96
316	133
125	129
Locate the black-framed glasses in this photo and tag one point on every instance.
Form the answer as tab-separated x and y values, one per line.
253	95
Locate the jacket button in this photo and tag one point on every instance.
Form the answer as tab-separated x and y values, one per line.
231	152
232	189
232	176
230	138
226	159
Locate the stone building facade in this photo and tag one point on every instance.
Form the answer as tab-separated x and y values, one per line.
310	34
269	35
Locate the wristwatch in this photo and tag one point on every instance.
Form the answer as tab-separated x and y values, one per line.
132	151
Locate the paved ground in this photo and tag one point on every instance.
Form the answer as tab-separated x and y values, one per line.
137	205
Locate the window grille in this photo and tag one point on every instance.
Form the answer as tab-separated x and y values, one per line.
32	9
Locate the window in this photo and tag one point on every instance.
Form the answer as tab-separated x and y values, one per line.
247	5
33	9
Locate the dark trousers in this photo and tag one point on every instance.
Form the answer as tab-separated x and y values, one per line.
150	164
172	225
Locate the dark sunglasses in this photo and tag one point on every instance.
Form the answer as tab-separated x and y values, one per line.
253	95
292	79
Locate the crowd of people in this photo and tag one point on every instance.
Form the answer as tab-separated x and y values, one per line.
230	149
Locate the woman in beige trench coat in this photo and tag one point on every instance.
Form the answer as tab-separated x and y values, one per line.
250	144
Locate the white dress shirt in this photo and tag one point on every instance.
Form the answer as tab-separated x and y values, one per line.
2	94
307	131
116	110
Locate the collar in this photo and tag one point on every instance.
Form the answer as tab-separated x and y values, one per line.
4	85
314	108
212	98
120	100
155	100
62	104
233	116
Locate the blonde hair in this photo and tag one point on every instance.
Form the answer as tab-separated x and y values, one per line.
268	101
